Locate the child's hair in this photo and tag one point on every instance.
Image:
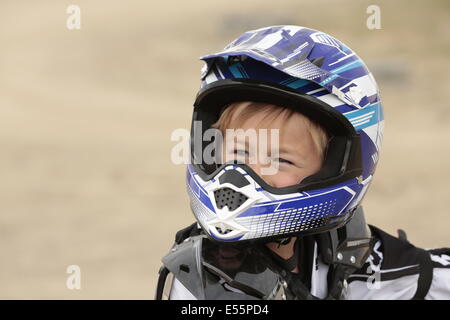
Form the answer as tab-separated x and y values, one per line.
239	112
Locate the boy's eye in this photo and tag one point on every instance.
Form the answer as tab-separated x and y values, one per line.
282	160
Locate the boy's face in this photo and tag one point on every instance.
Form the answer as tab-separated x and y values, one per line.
297	156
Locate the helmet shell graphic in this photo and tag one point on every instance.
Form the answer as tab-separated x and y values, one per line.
315	74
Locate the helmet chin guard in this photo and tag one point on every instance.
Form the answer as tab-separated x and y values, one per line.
232	206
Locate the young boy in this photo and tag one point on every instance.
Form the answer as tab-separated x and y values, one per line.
299	123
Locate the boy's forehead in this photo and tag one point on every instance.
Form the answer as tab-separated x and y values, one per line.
291	130
267	119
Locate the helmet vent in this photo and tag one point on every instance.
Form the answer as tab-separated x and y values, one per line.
230	198
223	232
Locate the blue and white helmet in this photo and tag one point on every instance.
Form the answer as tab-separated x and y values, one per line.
316	75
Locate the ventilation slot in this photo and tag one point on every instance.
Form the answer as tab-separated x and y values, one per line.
230	198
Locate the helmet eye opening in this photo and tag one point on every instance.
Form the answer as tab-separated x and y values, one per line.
342	160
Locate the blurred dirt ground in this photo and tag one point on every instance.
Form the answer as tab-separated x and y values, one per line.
86	116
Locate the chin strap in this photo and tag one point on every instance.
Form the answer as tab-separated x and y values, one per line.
292	262
283	242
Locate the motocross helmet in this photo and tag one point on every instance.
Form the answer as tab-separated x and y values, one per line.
316	75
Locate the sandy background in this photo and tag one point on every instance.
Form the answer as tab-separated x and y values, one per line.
86	117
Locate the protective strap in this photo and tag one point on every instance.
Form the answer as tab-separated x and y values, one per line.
163	272
425	275
288	264
292	262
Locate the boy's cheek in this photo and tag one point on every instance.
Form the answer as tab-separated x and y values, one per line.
282	179
279	180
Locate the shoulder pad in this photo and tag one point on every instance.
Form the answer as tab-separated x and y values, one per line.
184	262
